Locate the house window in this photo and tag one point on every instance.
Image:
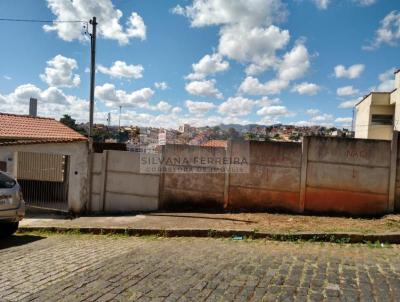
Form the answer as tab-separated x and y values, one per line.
382	119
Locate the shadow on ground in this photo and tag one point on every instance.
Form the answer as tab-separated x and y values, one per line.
17	240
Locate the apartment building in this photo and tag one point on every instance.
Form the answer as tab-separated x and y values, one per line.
378	113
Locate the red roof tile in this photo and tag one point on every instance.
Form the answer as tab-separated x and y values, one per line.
25	127
216	143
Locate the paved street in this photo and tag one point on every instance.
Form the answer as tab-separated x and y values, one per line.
100	268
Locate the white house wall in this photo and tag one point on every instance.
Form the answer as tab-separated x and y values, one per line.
78	153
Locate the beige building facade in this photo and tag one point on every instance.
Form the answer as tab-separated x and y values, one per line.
378	113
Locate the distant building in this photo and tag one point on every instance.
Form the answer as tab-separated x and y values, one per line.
185	128
378	113
216	143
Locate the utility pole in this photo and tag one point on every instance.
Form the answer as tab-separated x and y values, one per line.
119	121
92	79
91	107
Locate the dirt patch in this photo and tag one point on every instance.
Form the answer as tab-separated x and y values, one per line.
298	223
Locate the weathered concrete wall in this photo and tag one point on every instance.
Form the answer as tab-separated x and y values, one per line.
186	188
78	175
347	176
322	175
119	185
274	178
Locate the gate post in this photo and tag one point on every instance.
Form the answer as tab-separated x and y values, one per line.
104	168
393	170
228	153
15	165
303	172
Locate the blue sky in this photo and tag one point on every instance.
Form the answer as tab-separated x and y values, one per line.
202	62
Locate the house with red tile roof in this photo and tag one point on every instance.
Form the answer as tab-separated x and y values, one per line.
25	129
49	159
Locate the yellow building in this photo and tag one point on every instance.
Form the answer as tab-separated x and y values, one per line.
378	113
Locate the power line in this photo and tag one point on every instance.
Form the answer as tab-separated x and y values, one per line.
41	21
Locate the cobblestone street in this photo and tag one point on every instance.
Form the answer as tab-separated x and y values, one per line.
100	268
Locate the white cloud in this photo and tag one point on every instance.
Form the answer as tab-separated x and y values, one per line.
322	4
6	77
349	104
322	118
344	121
386	80
352	72
365	2
312	112
52	102
108	17
60	72
199	107
23	93
302	124
163	106
346	91
121	70
161	85
253	86
266	101
256	45
307	88
204	88
294	65
273	110
247	12
176	110
236	106
388	32
246	34
208	65
114	97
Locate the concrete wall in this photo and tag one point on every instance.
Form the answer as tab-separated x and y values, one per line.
347	176
78	175
322	175
191	190
119	185
274	178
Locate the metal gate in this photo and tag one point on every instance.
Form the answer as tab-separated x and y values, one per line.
44	180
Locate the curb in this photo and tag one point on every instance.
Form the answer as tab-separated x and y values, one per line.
391	238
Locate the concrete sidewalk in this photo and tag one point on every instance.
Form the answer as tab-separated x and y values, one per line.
256	225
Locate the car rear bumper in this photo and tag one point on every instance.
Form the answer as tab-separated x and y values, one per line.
13	215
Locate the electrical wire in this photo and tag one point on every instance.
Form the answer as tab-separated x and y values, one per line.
41	21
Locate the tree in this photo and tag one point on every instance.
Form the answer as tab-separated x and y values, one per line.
100	135
250	136
67	120
232	133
